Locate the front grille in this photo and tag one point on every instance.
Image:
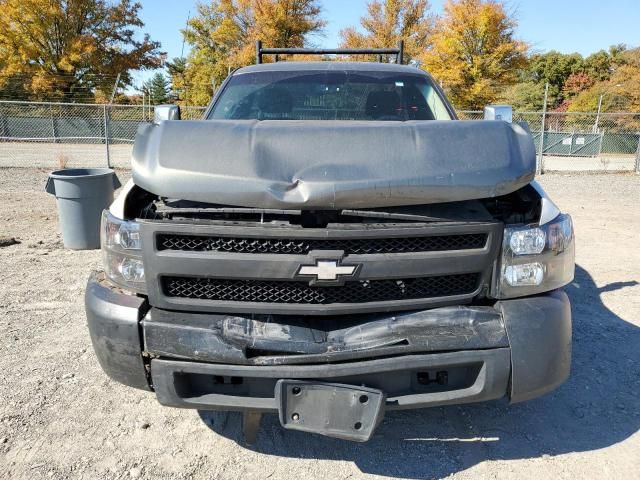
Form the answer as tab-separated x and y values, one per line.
291	246
261	291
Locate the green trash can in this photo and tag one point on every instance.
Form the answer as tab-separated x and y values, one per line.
82	194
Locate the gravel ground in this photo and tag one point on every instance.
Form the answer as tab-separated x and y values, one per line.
60	417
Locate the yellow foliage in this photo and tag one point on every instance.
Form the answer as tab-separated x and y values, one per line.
474	52
389	21
224	32
57	48
621	93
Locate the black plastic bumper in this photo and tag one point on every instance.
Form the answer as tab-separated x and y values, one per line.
114	324
482	375
519	348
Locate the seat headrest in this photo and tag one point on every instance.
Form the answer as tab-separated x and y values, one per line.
383	103
275	101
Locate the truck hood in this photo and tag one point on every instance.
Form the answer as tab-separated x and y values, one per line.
332	164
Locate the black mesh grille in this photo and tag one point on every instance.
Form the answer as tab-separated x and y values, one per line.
302	293
195	243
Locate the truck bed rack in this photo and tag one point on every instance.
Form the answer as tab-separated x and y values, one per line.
398	52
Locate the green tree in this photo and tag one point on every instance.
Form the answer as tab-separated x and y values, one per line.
177	70
555	68
158	89
600	65
389	21
223	34
524	96
60	48
475	53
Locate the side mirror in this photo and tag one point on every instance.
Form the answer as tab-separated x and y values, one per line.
166	112
499	112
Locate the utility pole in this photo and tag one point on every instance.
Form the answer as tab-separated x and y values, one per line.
107	119
597	124
115	89
540	165
183	37
106	134
637	165
146	107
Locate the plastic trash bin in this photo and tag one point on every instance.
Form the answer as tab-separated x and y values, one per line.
82	194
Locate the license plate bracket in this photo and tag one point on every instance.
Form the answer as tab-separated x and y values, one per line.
331	409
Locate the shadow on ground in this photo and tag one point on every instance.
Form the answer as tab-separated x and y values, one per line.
596	408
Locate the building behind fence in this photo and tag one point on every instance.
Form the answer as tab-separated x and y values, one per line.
52	135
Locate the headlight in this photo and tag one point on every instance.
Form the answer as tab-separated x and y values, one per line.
527	241
121	252
536	259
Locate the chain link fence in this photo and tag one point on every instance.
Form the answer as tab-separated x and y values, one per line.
67	135
59	135
602	142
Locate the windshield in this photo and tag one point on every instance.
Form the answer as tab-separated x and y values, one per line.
314	95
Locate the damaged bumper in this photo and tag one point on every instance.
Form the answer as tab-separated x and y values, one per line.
262	341
518	348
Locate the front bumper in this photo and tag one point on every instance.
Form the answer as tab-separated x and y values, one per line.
519	348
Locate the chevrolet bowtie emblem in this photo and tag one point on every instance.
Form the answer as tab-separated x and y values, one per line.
327	272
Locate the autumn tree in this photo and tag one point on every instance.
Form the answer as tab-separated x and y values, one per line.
11	85
286	23
475	53
576	83
625	80
600	65
620	92
570	74
59	48
194	76
223	35
389	21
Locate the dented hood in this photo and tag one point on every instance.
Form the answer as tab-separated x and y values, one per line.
332	164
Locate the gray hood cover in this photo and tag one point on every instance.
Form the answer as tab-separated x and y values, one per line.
332	164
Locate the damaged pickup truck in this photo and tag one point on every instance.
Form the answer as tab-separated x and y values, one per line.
330	243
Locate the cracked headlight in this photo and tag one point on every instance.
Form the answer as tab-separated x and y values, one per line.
536	259
121	252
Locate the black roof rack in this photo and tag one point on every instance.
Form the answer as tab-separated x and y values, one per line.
398	52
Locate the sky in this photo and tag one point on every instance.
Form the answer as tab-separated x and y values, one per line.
583	26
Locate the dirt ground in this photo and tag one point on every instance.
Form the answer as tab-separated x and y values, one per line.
60	417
